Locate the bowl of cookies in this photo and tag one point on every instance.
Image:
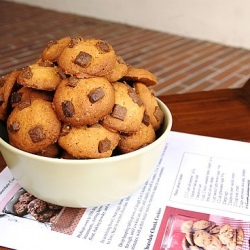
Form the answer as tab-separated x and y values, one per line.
80	127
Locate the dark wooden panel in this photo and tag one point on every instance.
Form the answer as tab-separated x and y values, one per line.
218	113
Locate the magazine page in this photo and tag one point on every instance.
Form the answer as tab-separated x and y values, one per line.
198	179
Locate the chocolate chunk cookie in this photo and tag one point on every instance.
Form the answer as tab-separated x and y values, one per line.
54	49
89	141
141	138
202	238
119	70
33	125
83	101
90	56
26	93
128	111
152	108
140	75
43	76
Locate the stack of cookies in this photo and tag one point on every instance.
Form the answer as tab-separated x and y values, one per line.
27	204
79	100
207	235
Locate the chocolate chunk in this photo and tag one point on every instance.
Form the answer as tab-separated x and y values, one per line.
37	134
146	119
119	112
72	82
14	127
158	114
61	73
96	94
104	145
68	108
24	104
1	98
74	41
83	59
102	47
15	97
26	72
135	97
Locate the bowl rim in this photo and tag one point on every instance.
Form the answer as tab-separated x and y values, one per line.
102	160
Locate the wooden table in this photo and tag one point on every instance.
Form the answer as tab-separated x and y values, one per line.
218	113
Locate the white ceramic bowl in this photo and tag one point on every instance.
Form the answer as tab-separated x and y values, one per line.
86	183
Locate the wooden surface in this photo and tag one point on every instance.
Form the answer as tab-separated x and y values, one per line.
218	113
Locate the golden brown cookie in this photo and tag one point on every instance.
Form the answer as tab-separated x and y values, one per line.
43	76
201	225
233	241
140	75
26	93
90	56
215	230
202	238
7	84
128	111
215	244
89	141
83	101
141	138
226	234
54	49
152	108
33	125
119	70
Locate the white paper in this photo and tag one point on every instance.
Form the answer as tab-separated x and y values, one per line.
196	176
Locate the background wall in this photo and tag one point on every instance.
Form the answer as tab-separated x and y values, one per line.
222	21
